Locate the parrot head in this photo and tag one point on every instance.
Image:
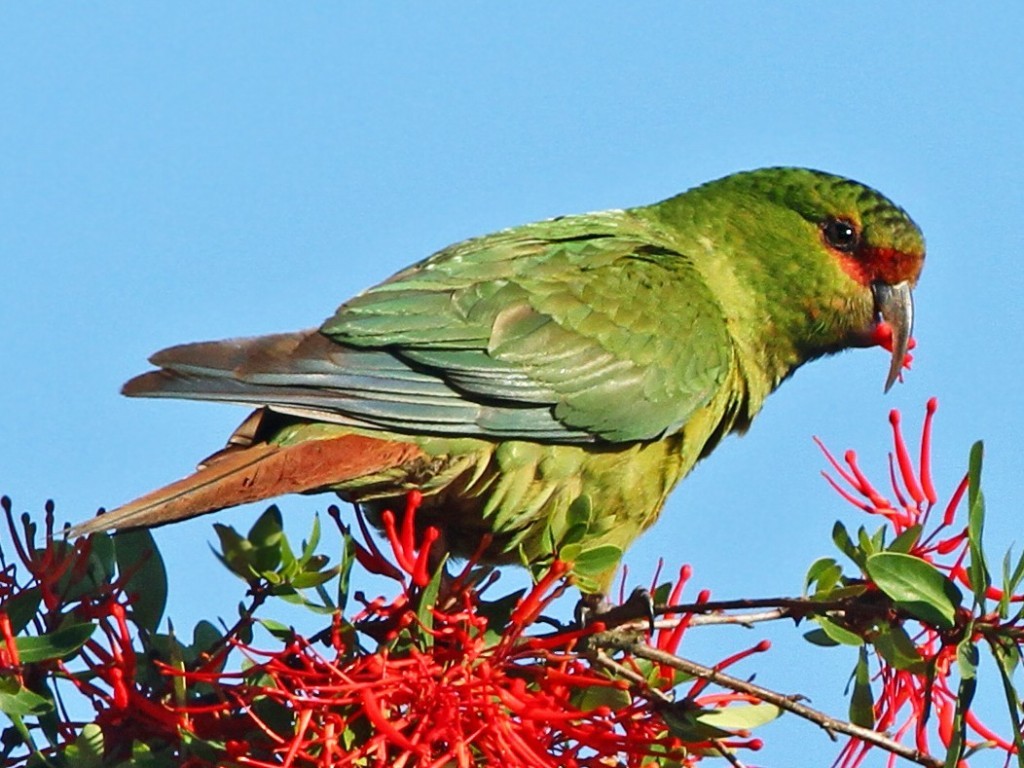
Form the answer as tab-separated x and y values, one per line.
878	246
836	260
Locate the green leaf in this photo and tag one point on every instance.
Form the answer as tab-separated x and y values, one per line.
594	696
878	540
974	472
869	544
819	638
22	607
315	563
288	565
99	568
53	645
916	587
281	631
17	701
1008	658
1008	654
842	540
967	659
681	718
895	646
581	512
137	556
309	546
662	593
977	569
87	750
268	541
825	573
1018	573
569	552
596	561
348	559
906	540
741	717
268	528
574	534
1007	589
234	551
848	592
498	612
312	579
862	702
837	633
427	601
205	636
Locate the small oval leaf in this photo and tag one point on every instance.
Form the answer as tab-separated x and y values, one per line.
58	644
740	716
862	701
837	633
916	586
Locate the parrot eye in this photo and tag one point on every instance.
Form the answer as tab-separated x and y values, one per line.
841	235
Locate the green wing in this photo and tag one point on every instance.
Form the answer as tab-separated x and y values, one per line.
574	330
613	334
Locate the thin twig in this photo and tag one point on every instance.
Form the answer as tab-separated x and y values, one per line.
715	619
602	659
742	619
638	608
727	753
621	670
621	642
795	606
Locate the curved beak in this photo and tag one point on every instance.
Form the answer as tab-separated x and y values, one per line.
895	305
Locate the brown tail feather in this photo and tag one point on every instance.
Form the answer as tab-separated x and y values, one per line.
259	471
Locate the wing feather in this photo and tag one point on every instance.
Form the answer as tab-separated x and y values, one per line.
535	333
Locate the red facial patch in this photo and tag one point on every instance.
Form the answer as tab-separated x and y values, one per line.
885	265
891	266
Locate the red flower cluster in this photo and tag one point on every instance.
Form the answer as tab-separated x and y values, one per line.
83	612
910	695
448	679
447	685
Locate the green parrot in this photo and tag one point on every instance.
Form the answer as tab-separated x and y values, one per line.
546	386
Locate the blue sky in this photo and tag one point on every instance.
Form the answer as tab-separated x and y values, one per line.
174	172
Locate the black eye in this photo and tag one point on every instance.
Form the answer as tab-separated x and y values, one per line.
841	235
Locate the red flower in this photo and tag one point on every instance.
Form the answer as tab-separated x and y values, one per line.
104	670
451	683
908	696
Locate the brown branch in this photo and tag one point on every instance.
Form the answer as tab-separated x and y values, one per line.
795	607
602	659
638	608
621	642
742	619
714	619
709	614
725	752
621	670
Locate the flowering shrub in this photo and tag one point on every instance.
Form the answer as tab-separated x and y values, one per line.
929	634
449	678
438	672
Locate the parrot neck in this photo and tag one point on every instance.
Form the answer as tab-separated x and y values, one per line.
765	353
779	313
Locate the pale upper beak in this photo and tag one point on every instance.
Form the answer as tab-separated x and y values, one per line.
895	305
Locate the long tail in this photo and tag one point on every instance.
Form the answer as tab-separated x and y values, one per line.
239	475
